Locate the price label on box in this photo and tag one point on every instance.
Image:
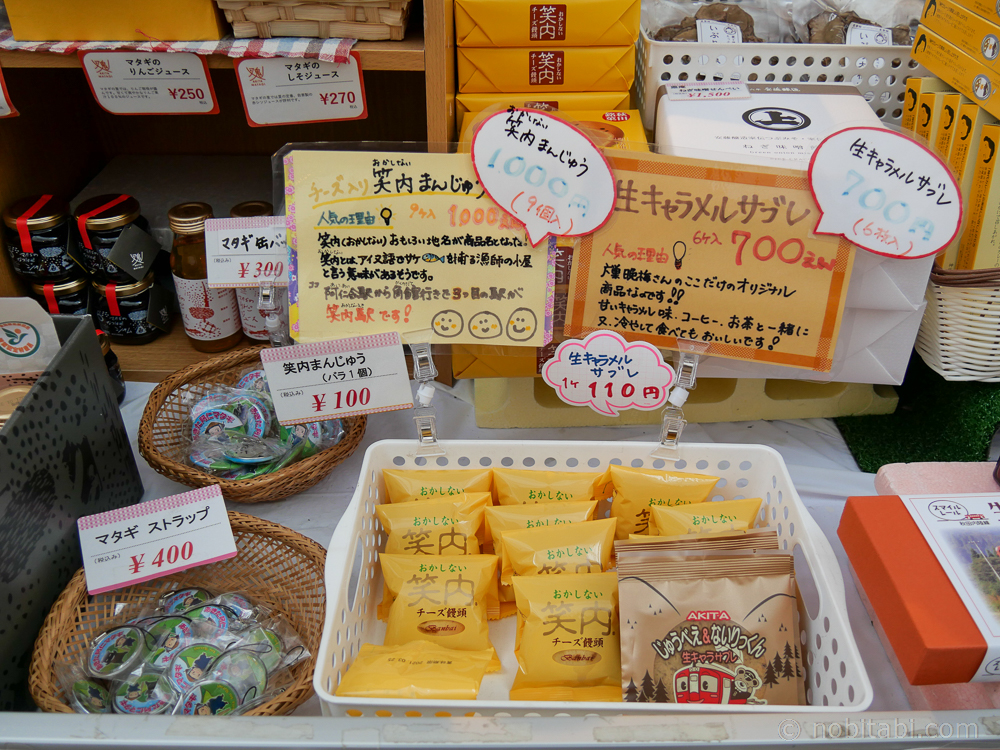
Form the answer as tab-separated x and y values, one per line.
150	83
243	252
150	540
328	379
677	92
868	36
283	91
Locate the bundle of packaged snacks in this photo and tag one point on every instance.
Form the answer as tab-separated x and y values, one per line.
637	491
521	486
444	598
218	656
418	669
404	485
708	626
503	518
567	638
721	515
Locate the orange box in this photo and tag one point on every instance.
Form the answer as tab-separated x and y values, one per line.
115	20
933	636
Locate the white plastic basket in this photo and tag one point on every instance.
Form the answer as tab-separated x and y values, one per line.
879	73
835	673
959	336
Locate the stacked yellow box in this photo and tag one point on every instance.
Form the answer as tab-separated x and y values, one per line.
575	55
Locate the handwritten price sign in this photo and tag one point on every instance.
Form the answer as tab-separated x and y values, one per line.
884	192
608	374
545	172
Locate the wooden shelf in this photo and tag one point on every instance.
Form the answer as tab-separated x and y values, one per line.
165	355
407	54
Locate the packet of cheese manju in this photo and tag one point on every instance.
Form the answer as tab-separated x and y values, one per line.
636	491
521	486
441	599
567	638
450	526
721	515
404	485
708	628
421	670
584	547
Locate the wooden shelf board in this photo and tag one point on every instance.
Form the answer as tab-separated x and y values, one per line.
407	54
165	355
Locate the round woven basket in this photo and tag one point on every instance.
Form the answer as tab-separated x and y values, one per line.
165	434
275	566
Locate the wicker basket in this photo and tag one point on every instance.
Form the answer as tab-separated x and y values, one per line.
959	335
164	434
276	567
358	19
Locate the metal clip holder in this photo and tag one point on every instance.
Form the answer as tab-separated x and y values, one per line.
267	305
424	415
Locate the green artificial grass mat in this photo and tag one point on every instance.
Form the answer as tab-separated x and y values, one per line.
936	420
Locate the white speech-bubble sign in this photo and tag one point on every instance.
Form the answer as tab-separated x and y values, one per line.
884	192
608	374
544	172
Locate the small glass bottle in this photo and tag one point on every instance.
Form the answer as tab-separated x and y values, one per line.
211	316
114	369
70	297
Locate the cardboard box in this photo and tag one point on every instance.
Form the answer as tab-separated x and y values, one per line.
63	454
541	71
974	35
957	69
115	20
616	129
914	87
526	23
573	100
932	634
980	244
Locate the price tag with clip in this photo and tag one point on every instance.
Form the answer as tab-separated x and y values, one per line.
150	83
150	540
243	252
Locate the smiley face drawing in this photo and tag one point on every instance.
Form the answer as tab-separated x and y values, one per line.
485	325
521	324
447	323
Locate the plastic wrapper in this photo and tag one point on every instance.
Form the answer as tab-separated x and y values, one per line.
826	21
759	20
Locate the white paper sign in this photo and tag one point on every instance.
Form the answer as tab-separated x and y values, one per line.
243	252
884	192
281	90
608	374
718	32
868	36
677	92
149	540
150	83
6	108
964	533
358	375
544	172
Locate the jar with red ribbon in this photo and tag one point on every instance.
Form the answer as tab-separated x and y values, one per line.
70	297
122	310
37	234
100	221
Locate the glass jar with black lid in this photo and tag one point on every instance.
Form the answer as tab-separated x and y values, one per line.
71	297
121	310
37	232
99	222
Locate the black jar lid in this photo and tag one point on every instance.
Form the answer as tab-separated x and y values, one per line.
52	212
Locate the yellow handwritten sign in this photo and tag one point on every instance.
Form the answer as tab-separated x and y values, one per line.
406	242
723	256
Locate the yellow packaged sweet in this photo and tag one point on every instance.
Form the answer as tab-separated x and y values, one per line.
636	491
520	486
567	643
422	670
432	484
574	548
508	70
575	23
434	527
572	100
441	599
722	515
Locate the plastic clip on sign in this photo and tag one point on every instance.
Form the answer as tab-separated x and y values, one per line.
544	172
884	192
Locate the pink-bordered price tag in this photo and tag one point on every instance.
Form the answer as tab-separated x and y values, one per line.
342	378
149	540
284	91
150	83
